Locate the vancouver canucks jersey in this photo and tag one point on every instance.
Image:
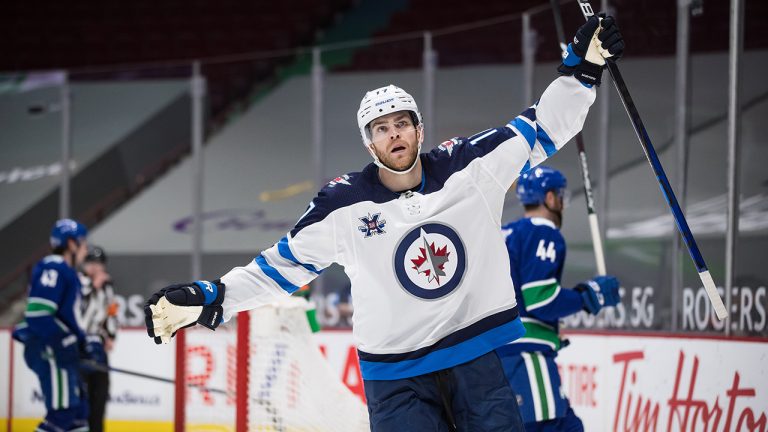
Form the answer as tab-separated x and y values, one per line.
53	306
428	268
537	255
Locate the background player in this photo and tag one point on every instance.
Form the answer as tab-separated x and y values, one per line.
429	312
537	255
100	324
52	337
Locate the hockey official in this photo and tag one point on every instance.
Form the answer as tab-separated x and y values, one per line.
100	324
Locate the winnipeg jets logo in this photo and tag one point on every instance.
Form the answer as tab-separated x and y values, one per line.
448	145
430	261
344	179
372	225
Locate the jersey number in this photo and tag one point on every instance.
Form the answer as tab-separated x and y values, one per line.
546	252
49	277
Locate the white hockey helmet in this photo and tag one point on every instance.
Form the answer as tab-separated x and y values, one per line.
380	102
383	101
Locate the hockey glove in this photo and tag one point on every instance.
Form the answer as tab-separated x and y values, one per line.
67	350
94	350
596	40
599	292
183	305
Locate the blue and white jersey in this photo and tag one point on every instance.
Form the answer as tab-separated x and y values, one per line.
430	278
537	255
53	305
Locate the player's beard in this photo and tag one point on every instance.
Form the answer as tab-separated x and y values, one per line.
557	213
403	164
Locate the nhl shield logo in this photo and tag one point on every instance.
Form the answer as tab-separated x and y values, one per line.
430	261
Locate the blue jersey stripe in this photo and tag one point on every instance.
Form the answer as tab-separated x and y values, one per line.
526	167
445	358
482	135
485	324
275	275
546	141
285	252
529	133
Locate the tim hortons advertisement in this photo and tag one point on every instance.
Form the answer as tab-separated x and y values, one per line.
634	383
661	383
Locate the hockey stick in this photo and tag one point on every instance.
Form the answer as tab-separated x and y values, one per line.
92	365
594	227
661	177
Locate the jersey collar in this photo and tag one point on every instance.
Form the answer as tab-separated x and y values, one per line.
543	221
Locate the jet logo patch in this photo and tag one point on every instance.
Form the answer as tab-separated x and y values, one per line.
430	261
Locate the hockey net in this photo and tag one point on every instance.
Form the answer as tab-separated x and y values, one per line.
264	373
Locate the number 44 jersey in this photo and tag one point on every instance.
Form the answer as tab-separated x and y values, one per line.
430	277
537	255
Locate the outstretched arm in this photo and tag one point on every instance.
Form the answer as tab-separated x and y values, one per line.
295	260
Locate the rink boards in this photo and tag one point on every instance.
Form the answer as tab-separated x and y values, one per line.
615	382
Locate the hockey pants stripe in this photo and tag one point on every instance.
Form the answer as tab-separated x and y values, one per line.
541	386
59	383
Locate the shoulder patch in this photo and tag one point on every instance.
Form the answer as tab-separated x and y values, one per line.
343	179
447	146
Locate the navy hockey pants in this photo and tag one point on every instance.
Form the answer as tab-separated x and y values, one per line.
59	376
477	392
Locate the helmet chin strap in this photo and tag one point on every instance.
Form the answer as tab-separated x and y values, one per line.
379	164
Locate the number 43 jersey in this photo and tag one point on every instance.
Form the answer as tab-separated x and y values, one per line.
53	305
430	277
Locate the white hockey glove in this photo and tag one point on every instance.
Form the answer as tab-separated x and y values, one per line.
599	38
183	305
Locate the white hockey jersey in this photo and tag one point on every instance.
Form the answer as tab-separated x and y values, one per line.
431	286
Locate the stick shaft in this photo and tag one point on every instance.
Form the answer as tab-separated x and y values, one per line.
95	366
594	226
661	177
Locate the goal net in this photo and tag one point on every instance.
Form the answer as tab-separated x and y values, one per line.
265	373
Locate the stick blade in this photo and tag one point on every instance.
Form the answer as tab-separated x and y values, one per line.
714	297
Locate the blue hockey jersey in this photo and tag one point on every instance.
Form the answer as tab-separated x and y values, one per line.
430	284
53	305
537	255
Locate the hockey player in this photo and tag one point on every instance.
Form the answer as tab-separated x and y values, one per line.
100	324
52	337
537	255
418	236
